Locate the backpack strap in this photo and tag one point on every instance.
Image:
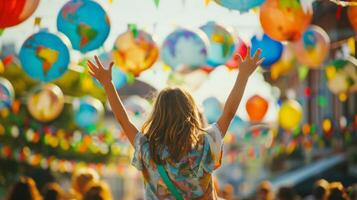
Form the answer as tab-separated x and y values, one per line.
172	188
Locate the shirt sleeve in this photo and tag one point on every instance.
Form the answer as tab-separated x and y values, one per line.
212	148
140	142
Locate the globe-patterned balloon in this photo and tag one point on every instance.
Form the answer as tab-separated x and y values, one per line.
184	49
135	51
7	93
87	111
46	102
241	5
85	23
44	56
271	49
221	43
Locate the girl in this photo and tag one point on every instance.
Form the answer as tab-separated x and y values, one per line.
175	154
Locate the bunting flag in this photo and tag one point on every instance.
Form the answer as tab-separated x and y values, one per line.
351	42
37	21
1	31
157	2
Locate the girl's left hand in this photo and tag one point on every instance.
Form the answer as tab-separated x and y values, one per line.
102	74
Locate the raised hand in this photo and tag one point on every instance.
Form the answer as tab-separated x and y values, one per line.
248	65
101	73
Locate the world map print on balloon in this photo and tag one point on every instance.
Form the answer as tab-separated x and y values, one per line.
184	48
241	5
221	43
7	93
44	56
135	51
85	23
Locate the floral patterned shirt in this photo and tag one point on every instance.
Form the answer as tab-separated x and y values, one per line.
191	176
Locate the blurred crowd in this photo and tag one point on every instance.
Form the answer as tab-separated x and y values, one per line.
87	185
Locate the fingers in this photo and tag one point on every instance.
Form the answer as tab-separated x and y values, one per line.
92	66
91	72
257	54
99	64
111	66
239	59
248	52
260	61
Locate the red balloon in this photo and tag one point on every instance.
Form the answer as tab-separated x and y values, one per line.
14	12
241	49
352	15
256	107
284	20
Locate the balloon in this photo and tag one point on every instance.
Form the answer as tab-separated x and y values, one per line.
45	103
212	109
256	108
2	67
184	49
341	76
313	47
290	114
138	109
135	51
352	16
271	49
237	126
85	23
284	20
221	43
7	93
242	50
44	56
285	64
326	125
16	11
241	5
87	111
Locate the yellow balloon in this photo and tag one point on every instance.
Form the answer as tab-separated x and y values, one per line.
290	114
2	67
326	125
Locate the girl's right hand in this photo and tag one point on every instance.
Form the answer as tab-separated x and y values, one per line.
102	74
248	65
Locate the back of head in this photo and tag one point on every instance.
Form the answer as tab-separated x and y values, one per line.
24	189
337	192
173	124
82	178
286	193
52	191
320	190
97	191
264	191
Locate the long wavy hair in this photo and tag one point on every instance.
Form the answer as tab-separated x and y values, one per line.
174	124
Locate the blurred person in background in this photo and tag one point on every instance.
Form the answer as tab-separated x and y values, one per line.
24	189
97	191
80	181
320	190
337	192
264	191
53	191
286	193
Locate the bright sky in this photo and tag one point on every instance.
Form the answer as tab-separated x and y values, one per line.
160	22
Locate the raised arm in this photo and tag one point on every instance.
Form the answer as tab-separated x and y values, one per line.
104	76
246	68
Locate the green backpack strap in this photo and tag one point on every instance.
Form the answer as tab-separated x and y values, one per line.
174	191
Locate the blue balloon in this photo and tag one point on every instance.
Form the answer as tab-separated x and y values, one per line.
241	5
184	47
221	44
85	23
271	49
44	56
212	109
87	111
7	93
237	126
119	78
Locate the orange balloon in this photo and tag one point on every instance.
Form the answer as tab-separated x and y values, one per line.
284	21
352	15
256	107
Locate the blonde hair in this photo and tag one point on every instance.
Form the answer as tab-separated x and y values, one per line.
174	124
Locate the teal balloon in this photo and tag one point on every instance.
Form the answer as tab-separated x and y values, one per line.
221	44
271	49
44	56
85	23
87	111
7	93
212	109
184	48
241	5
237	126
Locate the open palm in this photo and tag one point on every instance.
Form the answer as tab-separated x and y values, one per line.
102	74
248	65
